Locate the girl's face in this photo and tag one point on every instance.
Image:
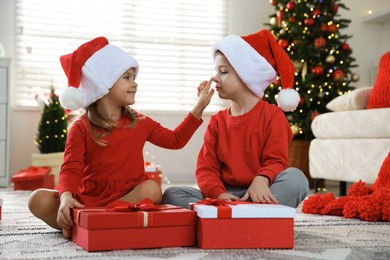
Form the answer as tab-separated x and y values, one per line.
228	83
124	89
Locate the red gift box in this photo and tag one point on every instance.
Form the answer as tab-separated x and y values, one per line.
98	229
33	178
154	173
247	225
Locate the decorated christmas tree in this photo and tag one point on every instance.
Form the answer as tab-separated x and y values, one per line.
310	33
52	129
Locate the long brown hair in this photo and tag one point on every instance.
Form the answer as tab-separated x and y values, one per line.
102	127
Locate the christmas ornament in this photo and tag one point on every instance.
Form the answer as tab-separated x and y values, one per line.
316	13
292	19
279	15
304	71
319	42
345	47
276	82
332	28
273	21
290	6
301	101
273	2
284	43
335	7
355	77
314	114
330	59
295	129
298	65
318	70
309	21
324	27
338	75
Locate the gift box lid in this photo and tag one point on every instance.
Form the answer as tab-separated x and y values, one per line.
248	210
31	173
163	215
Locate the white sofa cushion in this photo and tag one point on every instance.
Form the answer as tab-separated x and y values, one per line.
348	160
354	100
367	123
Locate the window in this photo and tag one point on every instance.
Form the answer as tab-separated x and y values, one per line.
171	39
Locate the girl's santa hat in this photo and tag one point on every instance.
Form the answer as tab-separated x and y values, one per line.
257	58
92	70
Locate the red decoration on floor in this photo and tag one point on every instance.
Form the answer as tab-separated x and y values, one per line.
369	203
33	178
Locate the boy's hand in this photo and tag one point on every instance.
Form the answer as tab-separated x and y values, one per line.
227	196
64	219
204	94
259	191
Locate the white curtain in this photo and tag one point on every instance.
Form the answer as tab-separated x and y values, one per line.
171	39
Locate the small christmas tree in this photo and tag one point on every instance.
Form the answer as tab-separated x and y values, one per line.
310	34
52	129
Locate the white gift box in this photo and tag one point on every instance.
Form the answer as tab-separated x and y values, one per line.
244	226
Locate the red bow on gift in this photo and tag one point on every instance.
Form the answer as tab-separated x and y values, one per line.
124	206
223	208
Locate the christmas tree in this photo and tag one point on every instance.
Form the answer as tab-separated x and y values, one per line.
52	129
309	31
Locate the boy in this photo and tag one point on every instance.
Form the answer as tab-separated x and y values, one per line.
245	151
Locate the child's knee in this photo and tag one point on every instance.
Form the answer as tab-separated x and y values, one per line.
152	190
34	201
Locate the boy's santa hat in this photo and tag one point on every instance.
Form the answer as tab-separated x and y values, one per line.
92	70
257	58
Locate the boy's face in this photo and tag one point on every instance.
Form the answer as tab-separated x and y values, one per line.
228	83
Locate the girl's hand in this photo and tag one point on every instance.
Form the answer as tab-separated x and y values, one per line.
259	191
64	219
204	94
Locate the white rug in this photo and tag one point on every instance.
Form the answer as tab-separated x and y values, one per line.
22	236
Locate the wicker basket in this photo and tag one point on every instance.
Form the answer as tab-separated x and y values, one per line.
298	157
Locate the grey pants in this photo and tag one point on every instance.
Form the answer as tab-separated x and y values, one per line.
290	188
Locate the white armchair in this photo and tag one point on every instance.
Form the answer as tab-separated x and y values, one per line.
351	143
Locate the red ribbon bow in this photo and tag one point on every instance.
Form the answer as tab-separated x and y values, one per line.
124	206
224	211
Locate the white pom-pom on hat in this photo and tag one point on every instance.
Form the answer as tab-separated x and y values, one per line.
288	99
72	98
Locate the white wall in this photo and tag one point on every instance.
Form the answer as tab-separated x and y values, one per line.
370	40
245	16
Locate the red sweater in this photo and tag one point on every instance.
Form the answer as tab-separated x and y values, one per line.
238	148
98	175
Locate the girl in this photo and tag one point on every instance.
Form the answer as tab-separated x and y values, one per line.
103	159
